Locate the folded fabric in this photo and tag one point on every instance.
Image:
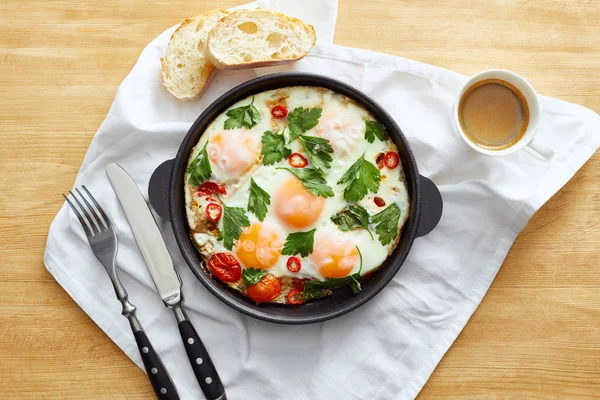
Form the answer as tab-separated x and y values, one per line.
388	348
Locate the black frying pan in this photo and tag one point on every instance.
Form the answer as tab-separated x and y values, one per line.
167	197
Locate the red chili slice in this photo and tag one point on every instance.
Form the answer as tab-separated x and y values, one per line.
379	201
279	111
297	160
225	267
391	159
294	264
298	284
211	187
379	160
214	212
295	297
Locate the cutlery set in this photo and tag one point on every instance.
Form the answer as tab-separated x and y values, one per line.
103	241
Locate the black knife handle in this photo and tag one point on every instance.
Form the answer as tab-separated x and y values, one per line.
203	367
157	373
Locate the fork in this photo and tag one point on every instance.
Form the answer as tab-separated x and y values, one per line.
103	241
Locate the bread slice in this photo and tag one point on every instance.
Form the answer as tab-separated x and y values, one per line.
185	67
258	38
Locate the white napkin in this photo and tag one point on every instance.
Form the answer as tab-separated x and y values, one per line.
386	349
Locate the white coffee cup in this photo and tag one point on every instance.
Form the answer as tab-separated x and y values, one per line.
527	140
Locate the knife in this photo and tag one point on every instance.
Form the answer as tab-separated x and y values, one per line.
158	260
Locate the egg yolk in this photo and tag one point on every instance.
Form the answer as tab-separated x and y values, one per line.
342	131
334	256
296	206
259	246
234	152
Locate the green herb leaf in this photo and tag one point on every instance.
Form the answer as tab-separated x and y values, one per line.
361	177
258	200
354	216
302	120
244	116
316	289
199	168
387	223
374	129
274	148
234	219
299	243
319	151
253	275
313	181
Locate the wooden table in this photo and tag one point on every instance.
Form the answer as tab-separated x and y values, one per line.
537	332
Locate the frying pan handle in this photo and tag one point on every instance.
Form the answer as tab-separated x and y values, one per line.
431	206
158	189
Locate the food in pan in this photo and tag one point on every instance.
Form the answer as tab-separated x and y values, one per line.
240	39
295	192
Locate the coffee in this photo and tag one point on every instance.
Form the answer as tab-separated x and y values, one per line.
493	114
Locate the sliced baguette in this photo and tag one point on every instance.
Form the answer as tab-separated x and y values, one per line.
258	38
185	67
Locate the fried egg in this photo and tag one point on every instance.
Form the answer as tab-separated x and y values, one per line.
235	158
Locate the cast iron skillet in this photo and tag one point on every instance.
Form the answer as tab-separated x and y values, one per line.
167	197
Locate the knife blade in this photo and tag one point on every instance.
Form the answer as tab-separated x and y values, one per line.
168	284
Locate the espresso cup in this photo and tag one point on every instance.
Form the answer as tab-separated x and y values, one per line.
527	139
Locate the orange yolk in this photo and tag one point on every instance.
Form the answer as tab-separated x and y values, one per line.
259	246
334	257
342	131
233	152
296	206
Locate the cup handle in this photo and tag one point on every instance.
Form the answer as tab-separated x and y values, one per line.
539	150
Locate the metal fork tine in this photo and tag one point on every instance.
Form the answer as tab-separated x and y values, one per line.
101	226
81	219
90	218
104	217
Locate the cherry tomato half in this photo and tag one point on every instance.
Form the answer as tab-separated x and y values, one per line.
265	290
279	111
391	159
294	264
295	297
211	187
379	201
297	160
214	212
225	267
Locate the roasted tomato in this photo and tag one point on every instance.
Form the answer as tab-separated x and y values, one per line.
294	264
211	187
265	290
225	267
297	160
279	111
295	297
391	159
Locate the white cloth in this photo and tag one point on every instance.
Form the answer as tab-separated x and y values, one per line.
386	349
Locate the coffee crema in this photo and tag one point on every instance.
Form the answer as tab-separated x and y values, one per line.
493	114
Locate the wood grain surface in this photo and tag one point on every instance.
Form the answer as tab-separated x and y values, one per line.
535	336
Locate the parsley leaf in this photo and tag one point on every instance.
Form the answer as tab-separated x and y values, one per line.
199	168
303	119
244	116
234	219
313	181
374	129
387	223
274	148
299	243
253	275
362	177
258	200
354	216
316	289
319	151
